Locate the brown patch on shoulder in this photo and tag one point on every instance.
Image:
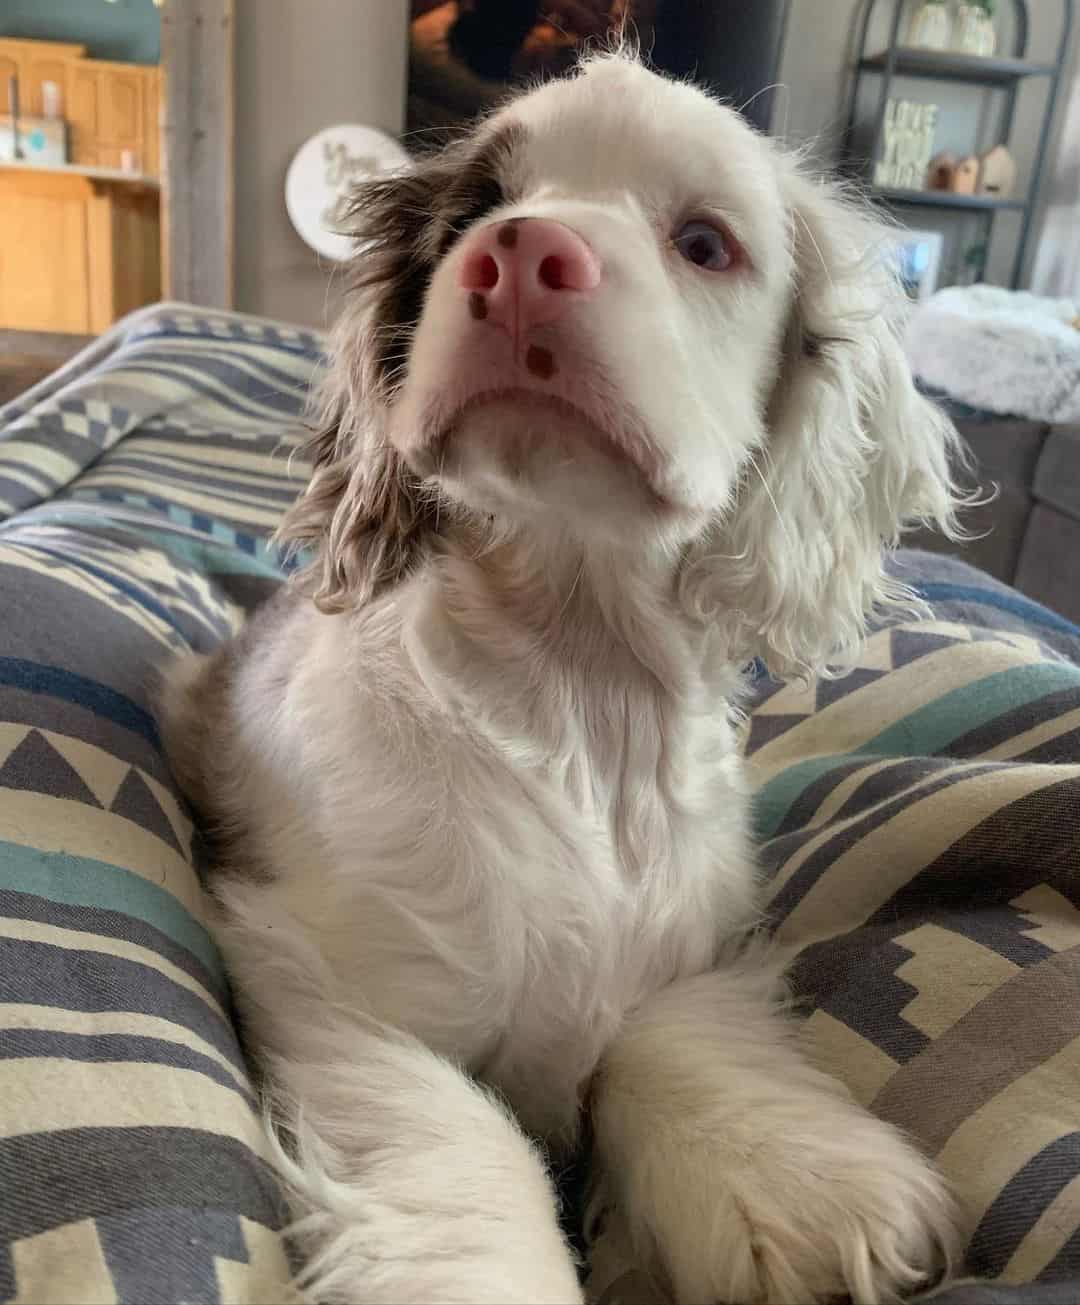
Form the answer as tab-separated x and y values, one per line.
478	308
541	362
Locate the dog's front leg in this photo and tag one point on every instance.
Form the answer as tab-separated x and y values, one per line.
744	1174
410	1182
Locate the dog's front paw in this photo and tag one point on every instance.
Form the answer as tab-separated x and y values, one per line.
809	1214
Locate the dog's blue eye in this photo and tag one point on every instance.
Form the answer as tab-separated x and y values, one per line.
705	246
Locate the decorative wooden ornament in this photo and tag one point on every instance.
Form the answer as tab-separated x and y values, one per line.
966	176
941	172
907	141
997	172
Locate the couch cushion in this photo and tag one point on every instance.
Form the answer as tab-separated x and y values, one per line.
1049	565
1006	452
1057	476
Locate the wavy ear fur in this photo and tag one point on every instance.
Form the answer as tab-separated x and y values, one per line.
853	454
367	518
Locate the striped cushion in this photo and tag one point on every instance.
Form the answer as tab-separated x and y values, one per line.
137	498
920	827
919	823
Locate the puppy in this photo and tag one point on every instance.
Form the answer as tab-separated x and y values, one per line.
617	406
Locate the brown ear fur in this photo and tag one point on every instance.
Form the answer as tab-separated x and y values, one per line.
366	516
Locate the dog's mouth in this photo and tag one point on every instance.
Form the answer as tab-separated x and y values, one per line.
517	424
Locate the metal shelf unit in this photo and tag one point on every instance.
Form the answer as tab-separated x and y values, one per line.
1004	73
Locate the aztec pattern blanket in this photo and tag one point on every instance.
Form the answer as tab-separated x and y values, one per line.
920	827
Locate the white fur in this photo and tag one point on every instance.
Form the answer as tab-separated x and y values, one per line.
485	816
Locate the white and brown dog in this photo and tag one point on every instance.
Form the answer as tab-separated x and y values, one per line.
618	405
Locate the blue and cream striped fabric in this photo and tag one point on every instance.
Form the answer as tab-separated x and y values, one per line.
919	823
136	499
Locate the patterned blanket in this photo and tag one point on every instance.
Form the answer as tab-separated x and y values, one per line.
920	825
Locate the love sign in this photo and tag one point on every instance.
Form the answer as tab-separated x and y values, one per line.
907	144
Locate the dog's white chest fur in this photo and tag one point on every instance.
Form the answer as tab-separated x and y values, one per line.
499	876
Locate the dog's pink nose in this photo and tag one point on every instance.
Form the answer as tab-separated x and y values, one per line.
525	272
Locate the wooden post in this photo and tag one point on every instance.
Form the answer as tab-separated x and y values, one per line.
197	57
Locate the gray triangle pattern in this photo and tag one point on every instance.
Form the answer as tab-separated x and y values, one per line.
830	691
136	802
910	645
763	729
35	766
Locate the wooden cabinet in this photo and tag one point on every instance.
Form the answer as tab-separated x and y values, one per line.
43	275
153	98
113	108
82	114
33	63
45	65
110	108
79	249
76	252
9	67
120	114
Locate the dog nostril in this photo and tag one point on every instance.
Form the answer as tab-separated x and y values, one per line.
487	273
550	273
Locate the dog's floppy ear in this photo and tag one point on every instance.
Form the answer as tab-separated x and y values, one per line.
852	454
365	515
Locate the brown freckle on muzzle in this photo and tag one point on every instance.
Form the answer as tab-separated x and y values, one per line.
478	308
508	236
540	361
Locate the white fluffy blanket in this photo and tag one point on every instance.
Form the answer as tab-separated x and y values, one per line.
1006	351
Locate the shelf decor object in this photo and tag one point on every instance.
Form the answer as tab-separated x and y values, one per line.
942	170
919	255
929	29
34	141
966	176
907	143
973	31
997	172
1002	73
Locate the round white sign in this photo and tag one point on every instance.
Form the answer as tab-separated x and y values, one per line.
323	172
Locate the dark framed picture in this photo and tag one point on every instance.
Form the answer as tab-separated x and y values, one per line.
465	55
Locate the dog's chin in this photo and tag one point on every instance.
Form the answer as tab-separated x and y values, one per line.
518	452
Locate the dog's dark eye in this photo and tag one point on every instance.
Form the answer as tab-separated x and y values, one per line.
705	246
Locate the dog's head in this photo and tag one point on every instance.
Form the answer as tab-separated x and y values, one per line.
617	313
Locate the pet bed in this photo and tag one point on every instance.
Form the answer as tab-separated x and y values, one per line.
920	822
1000	351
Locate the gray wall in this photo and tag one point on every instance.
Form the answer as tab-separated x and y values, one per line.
816	70
301	66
